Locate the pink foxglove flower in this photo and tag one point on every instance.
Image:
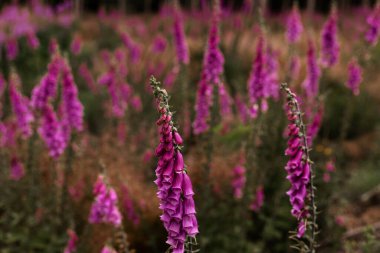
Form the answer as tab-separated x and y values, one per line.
72	107
242	109
272	85
85	73
180	39
354	76
17	169
175	189
133	48
104	209
313	128
72	243
257	78
52	133
224	101
330	48
20	107
159	44
238	181
12	48
76	45
298	166
33	41
294	25
311	83
258	201
107	249
47	88
373	21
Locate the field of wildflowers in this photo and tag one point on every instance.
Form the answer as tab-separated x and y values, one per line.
209	129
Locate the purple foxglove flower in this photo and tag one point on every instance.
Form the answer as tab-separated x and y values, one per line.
311	83
329	42
298	167
72	243
104	208
272	85
202	107
242	109
17	169
47	87
213	60
12	48
76	45
313	128
354	76
20	107
180	39
294	25
257	78
129	207
85	73
175	190
133	48
72	107
224	101
52	133
258	201
238	181
159	44
33	41
373	21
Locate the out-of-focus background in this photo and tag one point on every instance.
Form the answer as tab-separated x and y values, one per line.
98	57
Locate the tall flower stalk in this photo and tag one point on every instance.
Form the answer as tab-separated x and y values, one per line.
175	190
300	175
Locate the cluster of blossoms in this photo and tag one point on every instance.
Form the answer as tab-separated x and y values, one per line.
212	70
294	25
55	131
104	208
175	190
238	181
298	167
20	106
258	201
180	39
311	83
354	76
373	22
133	48
17	169
159	44
329	41
76	45
85	73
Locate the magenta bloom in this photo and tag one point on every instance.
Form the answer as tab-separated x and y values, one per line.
329	42
52	133
242	109
272	85
238	181
258	201
180	39
311	83
12	48
85	73
294	25
47	87
313	128
20	107
107	249
33	41
202	107
224	101
104	208
76	45
297	168
129	207
257	78
133	48
72	107
354	76
17	169
72	243
373	22
175	190
8	134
